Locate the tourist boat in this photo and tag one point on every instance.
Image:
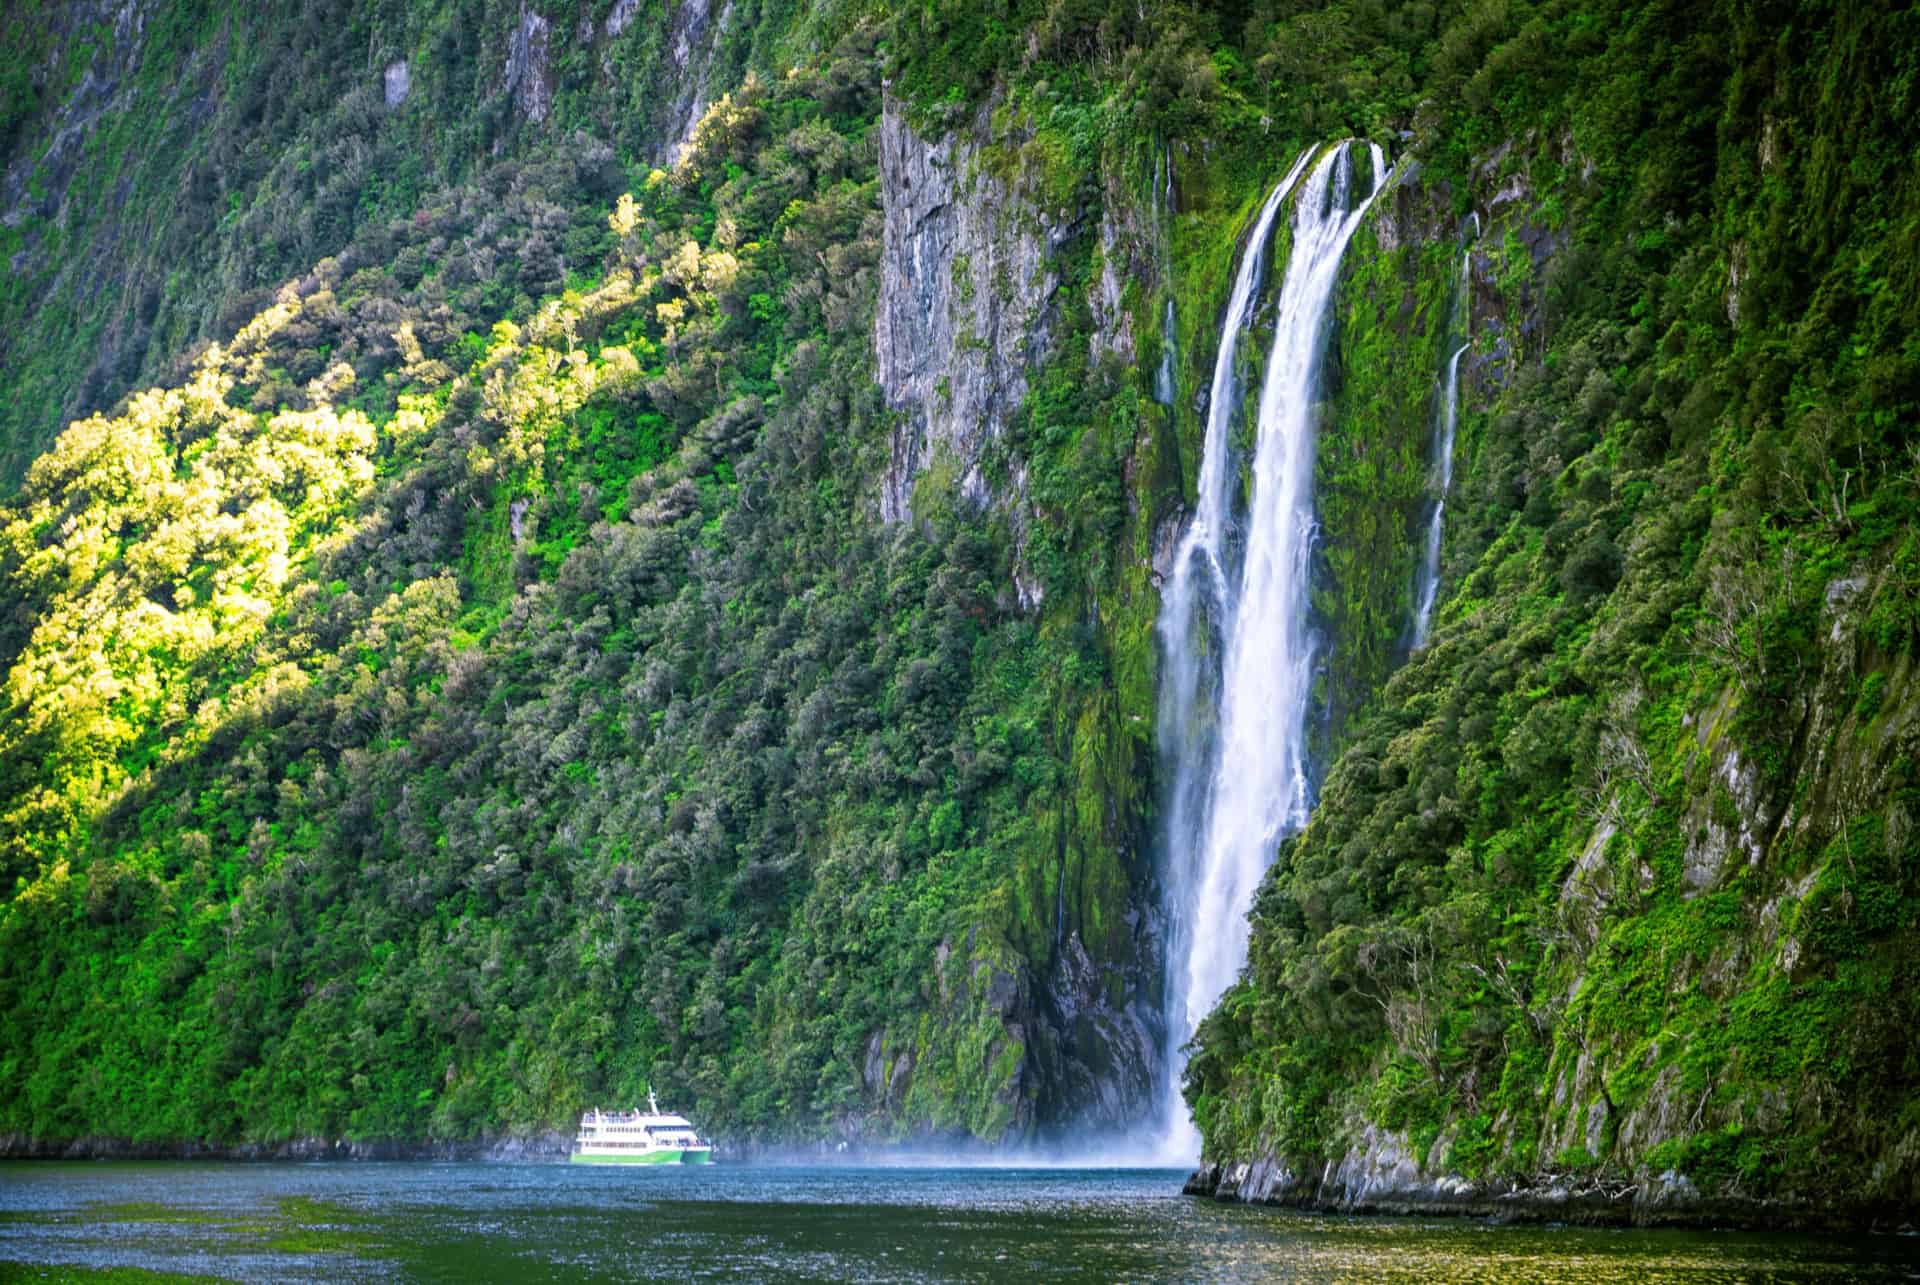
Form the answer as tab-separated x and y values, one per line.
650	1137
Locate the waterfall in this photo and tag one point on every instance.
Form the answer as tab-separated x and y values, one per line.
1427	585
1163	376
1237	653
1192	620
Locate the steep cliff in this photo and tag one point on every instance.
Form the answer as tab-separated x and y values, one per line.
1604	911
997	300
505	704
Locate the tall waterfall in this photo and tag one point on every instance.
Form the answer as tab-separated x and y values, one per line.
1237	654
1427	585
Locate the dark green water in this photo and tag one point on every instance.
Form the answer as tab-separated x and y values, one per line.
434	1222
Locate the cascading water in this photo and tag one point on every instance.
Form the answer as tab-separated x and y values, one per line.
1232	725
1427	587
1192	622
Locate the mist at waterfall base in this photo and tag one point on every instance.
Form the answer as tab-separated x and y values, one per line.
1237	653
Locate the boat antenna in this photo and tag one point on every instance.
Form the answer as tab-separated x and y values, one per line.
652	1106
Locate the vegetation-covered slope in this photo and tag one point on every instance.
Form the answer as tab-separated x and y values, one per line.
168	165
536	712
1617	876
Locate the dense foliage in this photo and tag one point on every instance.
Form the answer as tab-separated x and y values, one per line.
170	165
530	713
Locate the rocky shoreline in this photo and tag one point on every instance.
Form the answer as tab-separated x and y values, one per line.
1352	1186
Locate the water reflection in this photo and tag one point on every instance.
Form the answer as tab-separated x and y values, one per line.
331	1222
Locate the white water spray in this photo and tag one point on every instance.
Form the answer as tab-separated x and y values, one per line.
1233	725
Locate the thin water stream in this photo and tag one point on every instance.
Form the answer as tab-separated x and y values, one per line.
1427	586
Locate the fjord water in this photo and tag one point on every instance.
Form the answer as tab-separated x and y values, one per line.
1237	651
526	1222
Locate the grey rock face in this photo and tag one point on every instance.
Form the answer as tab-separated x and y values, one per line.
529	72
696	32
1374	1178
1112	323
966	303
884	1079
968	309
1379	1174
1105	1065
619	16
1411	211
36	182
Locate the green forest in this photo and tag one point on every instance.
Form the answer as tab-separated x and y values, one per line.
555	549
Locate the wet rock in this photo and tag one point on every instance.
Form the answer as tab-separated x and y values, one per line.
1204	1181
1410	211
1378	1176
1103	1060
